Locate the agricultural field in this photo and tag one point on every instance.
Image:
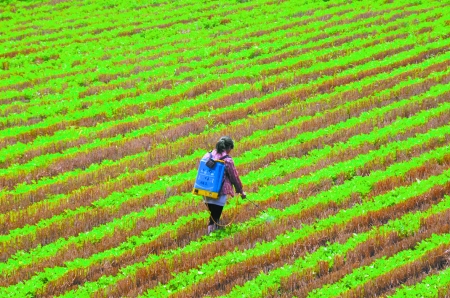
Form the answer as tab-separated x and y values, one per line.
340	114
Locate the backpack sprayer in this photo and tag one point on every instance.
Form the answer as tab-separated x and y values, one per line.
209	177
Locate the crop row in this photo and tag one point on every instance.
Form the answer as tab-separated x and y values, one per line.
22	232
206	251
389	271
350	251
263	9
21	258
35	163
432	285
340	118
284	119
162	46
260	176
317	138
62	105
220	270
169	17
81	27
257	22
128	108
19	233
330	258
141	162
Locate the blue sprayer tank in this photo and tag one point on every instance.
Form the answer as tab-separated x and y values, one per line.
209	180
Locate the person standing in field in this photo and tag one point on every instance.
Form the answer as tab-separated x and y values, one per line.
231	178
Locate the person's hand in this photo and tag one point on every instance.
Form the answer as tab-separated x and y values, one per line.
243	195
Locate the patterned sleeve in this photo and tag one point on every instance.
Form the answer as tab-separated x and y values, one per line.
233	175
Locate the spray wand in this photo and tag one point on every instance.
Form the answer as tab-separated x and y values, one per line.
268	218
245	198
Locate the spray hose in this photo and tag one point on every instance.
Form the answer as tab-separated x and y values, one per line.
232	219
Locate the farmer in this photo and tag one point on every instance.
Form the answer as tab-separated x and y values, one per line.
231	178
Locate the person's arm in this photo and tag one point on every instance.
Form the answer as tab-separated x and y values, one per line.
234	177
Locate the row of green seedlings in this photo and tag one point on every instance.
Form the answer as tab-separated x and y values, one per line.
325	176
131	193
305	147
167	15
138	140
278	165
132	258
243	52
333	261
263	9
39	19
349	250
227	269
437	285
391	268
270	44
80	27
431	254
376	29
130	109
161	43
184	54
153	274
309	141
273	279
303	139
68	45
286	278
70	135
141	161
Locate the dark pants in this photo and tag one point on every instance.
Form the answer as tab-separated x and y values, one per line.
216	211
